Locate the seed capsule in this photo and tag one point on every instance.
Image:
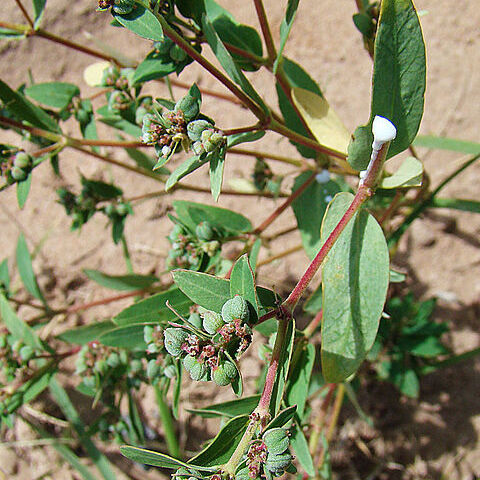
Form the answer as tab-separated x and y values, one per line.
204	231
18	174
276	440
189	106
22	160
235	308
123	7
277	463
196	128
224	373
198	371
153	369
212	322
174	338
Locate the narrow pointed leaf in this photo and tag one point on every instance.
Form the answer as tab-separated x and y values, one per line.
24	264
23	189
121	282
142	22
285	28
242	282
53	94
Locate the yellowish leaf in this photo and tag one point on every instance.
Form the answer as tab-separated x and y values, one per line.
93	73
322	120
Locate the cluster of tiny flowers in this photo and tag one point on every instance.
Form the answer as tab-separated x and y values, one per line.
210	339
15	164
178	129
268	454
188	250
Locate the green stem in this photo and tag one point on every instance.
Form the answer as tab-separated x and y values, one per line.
268	155
185	46
267	34
167	423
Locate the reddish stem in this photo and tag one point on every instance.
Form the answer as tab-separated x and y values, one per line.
234	131
25	13
267	34
267	222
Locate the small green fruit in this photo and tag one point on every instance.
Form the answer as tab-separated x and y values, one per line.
276	440
122	209
26	353
277	463
224	374
196	128
123	7
18	174
22	160
148	334
170	371
177	54
136	366
204	231
153	369
190	107
174	338
162	47
198	371
212	322
113	360
235	308
195	320
89	382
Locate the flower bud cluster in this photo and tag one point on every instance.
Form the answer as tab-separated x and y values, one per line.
178	129
14	357
271	453
15	164
188	251
166	51
205	353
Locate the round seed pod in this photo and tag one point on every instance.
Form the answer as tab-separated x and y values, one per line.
242	474
177	54
174	338
277	463
198	371
89	382
123	7
26	353
162	47
224	373
212	322
18	174
136	365
122	209
113	360
196	128
209	146
204	231
148	334
235	308
170	371
22	160
195	320
189	106
153	369
276	440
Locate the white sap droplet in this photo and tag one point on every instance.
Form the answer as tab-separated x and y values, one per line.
383	130
323	176
328	198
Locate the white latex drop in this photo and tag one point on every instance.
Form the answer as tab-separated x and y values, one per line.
383	131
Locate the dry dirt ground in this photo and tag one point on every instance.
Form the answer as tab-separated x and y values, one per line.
434	437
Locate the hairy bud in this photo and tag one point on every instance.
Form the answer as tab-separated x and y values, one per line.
174	338
276	440
235	308
224	373
212	322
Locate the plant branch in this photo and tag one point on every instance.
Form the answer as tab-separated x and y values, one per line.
320	420
267	222
234	131
267	34
286	252
268	155
186	47
25	13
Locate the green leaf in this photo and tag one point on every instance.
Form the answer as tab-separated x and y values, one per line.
185	168
309	209
101	190
409	174
232	408
65	404
4	275
156	459
86	333
267	299
24	264
283	367
8	33
228	63
206	290
145	161
426	347
444	143
124	125
299	376
398	80
217	165
355	279
314	302
121	282
142	22
238	138
254	251
129	337
19	329
297	77
242	281
241	36
223	445
23	189
153	67
282	418
192	214
22	108
456	204
38	9
300	447
154	308
325	471
53	94
285	28
135	424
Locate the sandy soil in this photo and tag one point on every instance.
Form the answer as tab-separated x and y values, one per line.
434	436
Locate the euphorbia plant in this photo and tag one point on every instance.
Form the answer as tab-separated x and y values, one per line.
203	321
